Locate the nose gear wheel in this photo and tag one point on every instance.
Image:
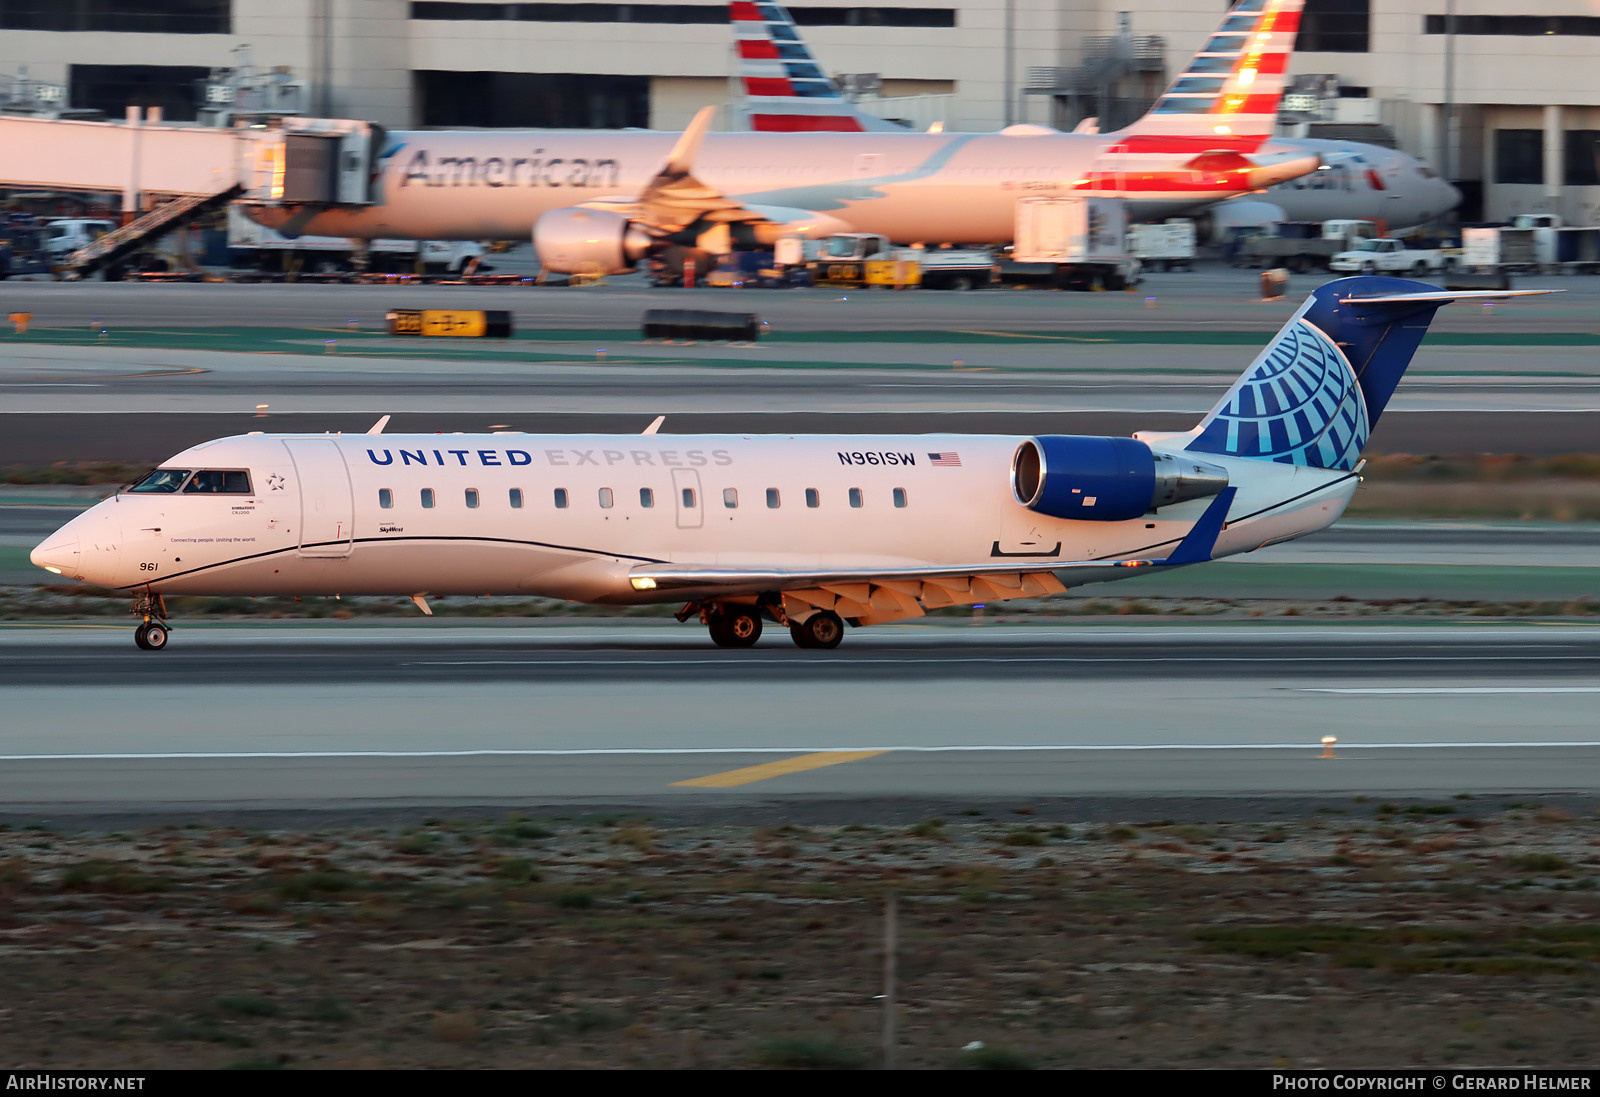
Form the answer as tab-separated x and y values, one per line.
152	633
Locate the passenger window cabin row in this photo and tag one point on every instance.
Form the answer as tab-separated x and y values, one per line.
647	498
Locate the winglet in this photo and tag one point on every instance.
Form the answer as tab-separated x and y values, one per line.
688	146
1202	537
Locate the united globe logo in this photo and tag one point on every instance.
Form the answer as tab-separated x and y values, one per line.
1300	405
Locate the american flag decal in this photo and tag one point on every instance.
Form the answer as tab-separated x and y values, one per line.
949	459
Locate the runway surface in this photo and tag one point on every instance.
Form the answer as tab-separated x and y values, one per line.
991	362
1213	296
352	716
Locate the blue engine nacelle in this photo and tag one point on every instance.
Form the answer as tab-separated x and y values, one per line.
1105	479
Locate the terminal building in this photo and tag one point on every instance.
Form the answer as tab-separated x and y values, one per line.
1507	106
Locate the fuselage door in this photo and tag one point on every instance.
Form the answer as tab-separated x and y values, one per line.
327	510
686	498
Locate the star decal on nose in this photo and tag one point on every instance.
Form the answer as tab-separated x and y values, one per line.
275	482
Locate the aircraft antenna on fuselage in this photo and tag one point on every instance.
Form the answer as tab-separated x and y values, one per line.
377	428
655	425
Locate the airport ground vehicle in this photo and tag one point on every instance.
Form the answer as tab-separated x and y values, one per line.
1165	246
868	259
1385	255
1303	245
23	246
261	248
1083	241
69	234
1531	242
808	531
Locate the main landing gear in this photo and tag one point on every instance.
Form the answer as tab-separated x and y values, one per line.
734	626
151	635
739	626
822	629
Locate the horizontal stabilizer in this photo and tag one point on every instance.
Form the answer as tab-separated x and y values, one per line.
1443	296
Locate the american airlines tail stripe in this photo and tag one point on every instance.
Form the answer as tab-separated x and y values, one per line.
790	123
758	49
757	85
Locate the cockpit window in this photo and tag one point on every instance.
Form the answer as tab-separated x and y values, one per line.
1426	172
162	480
218	482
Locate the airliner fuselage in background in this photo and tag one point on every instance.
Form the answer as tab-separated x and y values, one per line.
958	187
1357	181
602	200
807	531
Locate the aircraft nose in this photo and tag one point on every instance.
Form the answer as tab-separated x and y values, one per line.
58	554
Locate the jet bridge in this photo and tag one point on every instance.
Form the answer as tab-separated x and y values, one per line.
293	161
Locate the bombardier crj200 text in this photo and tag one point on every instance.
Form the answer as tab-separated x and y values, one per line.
809	531
601	201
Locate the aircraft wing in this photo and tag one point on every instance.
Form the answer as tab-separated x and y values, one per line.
878	593
674	199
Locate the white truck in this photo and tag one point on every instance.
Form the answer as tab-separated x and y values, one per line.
1166	246
1302	245
68	234
1083	238
264	249
1386	255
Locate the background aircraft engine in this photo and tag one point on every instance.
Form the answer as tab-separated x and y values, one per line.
587	241
1215	224
1105	479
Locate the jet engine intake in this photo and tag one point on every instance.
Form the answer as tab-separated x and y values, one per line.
588	241
1106	479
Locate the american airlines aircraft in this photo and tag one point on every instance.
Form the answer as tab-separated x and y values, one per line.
807	531
600	201
786	90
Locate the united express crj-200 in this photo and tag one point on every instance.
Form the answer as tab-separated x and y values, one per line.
600	201
808	531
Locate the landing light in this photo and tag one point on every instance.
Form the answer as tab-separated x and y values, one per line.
643	582
51	570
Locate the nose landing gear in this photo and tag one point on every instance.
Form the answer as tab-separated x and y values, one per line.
151	635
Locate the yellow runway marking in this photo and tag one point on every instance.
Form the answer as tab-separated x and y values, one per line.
778	769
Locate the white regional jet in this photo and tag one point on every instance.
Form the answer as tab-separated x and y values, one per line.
787	91
600	201
808	531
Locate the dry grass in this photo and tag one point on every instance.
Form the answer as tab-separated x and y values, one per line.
1378	935
1512	487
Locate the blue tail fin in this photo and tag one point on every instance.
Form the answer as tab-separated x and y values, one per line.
1314	394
